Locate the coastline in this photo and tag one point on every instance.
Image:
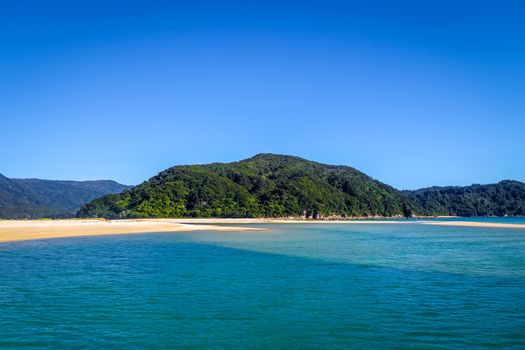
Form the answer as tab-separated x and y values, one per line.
472	224
23	230
383	221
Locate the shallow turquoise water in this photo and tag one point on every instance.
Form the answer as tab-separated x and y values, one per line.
294	286
507	220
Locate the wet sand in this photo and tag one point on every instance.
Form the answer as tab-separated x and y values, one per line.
21	230
473	224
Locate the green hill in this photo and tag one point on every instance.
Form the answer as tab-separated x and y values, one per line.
266	185
270	185
35	198
501	199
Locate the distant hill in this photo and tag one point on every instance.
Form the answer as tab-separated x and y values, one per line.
501	199
35	198
267	185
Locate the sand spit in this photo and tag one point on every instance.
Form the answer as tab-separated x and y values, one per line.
367	222
21	230
473	224
245	221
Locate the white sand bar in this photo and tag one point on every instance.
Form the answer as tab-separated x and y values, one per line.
20	230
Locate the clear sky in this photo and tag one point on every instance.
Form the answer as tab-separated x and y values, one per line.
413	93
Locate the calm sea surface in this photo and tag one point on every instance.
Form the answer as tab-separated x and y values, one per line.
396	286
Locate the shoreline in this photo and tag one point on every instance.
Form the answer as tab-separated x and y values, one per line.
409	221
24	230
472	224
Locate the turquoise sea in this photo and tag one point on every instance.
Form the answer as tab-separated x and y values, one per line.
348	286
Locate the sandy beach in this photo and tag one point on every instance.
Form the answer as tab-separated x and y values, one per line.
472	224
21	230
353	221
215	221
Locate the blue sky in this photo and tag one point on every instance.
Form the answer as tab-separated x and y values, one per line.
413	93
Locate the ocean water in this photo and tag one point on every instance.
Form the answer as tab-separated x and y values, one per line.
396	286
507	220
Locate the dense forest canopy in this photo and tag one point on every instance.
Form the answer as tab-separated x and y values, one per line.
35	198
266	185
501	199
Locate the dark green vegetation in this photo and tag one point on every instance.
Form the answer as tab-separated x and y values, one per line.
266	185
35	198
269	185
501	199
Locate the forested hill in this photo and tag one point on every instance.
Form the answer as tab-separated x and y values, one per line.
501	199
266	185
35	198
